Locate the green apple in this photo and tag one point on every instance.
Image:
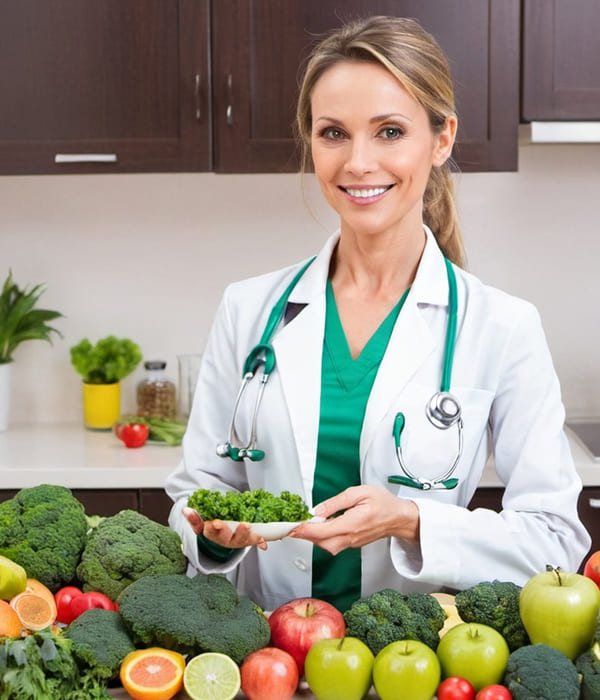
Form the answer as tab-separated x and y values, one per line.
475	652
339	669
560	609
406	669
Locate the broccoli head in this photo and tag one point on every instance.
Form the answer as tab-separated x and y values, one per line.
539	672
496	604
125	547
588	666
100	642
388	616
43	528
193	615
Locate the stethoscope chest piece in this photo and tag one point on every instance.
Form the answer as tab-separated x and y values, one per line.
443	410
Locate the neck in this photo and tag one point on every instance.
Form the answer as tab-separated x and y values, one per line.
377	265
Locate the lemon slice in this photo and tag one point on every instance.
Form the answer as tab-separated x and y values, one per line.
211	676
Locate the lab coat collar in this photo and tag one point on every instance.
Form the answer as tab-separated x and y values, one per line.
430	285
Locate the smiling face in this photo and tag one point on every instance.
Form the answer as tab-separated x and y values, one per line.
373	148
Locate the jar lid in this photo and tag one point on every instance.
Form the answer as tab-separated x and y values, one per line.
155	364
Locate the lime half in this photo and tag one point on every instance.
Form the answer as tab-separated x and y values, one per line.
211	676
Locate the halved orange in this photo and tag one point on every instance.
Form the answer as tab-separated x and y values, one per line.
34	586
152	674
10	624
35	612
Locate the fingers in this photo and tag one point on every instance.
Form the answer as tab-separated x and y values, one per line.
219	531
194	519
341	502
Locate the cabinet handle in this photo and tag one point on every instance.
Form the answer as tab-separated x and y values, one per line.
229	110
594	502
198	110
85	158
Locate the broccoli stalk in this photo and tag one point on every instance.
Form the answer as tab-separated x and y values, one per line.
43	528
123	548
496	604
388	616
193	615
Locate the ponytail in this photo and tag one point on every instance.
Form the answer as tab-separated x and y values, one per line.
440	214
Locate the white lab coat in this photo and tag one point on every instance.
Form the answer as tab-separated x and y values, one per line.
510	395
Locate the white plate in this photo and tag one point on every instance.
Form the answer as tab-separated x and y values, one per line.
273	531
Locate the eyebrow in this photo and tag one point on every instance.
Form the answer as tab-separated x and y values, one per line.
372	120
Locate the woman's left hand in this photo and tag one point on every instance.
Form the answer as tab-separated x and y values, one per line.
368	513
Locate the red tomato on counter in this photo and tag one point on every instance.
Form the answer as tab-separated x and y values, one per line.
133	434
591	568
455	688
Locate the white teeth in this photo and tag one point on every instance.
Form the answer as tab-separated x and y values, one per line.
373	192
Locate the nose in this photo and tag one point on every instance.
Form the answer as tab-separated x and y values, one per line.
361	156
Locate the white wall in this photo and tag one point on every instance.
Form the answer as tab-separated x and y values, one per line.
147	257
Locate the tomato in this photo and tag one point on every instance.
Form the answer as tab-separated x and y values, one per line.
591	568
133	434
455	688
92	599
493	692
63	599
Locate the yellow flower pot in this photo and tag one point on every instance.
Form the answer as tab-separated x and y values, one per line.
101	405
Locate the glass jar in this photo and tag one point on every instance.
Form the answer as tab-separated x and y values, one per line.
156	392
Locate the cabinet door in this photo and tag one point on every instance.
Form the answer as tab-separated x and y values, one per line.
259	45
101	86
561	58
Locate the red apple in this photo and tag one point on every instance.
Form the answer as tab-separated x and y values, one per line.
269	674
591	568
299	623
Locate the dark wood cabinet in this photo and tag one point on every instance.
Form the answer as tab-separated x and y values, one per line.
101	86
561	57
258	46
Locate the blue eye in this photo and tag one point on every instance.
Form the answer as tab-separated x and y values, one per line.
391	132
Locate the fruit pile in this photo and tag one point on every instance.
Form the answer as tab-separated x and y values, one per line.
498	642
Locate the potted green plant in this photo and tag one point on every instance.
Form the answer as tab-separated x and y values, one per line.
102	367
20	320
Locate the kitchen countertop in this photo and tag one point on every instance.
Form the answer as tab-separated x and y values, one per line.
70	455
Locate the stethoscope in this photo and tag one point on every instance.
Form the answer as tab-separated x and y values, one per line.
443	409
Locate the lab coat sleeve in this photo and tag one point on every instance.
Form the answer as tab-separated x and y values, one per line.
539	523
200	467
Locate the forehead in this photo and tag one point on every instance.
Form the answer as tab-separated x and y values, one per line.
348	84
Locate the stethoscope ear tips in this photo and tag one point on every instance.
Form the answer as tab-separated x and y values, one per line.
443	410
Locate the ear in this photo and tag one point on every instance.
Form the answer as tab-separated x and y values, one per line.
445	141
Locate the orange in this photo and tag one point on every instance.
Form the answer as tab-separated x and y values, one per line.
152	674
34	586
35	612
10	625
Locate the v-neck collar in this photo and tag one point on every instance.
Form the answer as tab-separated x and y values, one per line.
351	371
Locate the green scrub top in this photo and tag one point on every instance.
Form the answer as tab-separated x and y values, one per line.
345	387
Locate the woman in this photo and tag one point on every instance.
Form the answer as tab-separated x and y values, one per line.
359	354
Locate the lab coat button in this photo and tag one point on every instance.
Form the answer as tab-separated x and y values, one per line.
300	564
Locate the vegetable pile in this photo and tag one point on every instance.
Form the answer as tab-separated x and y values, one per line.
256	506
158	429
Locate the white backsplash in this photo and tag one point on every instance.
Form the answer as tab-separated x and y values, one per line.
148	256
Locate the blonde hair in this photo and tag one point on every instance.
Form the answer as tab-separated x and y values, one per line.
414	57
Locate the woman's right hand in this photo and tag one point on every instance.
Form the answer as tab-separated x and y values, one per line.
219	532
